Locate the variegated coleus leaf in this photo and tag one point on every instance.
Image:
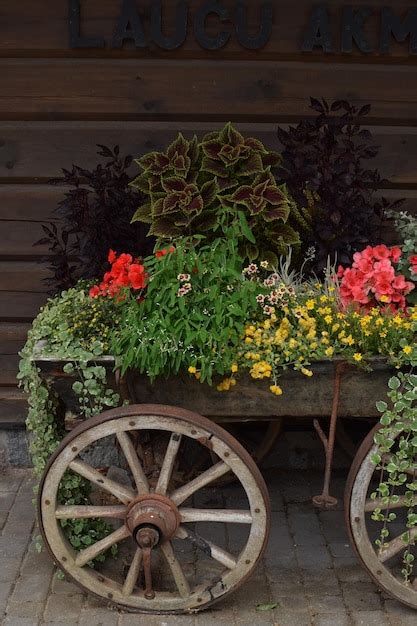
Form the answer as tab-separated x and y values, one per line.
263	197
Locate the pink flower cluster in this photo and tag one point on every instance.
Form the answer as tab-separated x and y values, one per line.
413	263
372	279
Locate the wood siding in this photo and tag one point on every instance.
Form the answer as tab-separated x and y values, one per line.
57	103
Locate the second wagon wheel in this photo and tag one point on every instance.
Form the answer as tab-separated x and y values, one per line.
384	565
174	553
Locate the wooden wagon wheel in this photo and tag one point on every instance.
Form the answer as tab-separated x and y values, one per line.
385	565
167	560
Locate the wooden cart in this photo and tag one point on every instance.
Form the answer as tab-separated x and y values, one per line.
172	556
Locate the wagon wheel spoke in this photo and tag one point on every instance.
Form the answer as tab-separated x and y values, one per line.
396	545
84	512
232	516
93	551
176	569
181	494
135	465
208	547
133	573
380	503
168	464
124	494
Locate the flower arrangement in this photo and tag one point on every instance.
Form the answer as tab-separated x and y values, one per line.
372	279
218	299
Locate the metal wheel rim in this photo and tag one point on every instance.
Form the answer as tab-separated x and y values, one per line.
355	498
143	418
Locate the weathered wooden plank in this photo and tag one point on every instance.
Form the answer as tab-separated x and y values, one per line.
29	202
23	276
32	150
156	89
13	331
26	29
9	366
17	239
20	306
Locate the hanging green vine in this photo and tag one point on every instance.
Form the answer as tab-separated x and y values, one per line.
396	459
73	328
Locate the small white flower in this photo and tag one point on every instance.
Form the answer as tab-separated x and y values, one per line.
264	264
260	298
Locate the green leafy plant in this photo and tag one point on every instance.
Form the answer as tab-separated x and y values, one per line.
70	327
397	442
194	312
191	186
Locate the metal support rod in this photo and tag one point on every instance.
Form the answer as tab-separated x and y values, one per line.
325	500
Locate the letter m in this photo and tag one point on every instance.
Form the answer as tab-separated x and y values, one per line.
392	25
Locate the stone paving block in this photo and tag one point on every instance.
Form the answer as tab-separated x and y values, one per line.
31	587
327	604
218	616
10	482
25	608
397	610
341	550
369	618
65	586
99	617
132	619
12	549
9	569
291	618
351	573
332	619
313	557
21	621
39	562
322	582
63	606
363	597
288	587
6	500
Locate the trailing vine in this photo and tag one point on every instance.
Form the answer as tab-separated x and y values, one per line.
56	331
396	458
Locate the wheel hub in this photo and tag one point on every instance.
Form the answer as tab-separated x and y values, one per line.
152	519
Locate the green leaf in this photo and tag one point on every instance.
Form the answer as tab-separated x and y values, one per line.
394	383
245	227
267	607
381	406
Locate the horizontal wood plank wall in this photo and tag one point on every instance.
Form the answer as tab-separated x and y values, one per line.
56	104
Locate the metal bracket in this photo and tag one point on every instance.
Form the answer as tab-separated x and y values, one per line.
325	500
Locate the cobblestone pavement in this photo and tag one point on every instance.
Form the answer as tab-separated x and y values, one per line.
309	570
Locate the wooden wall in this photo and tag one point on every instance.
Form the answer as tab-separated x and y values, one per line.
56	103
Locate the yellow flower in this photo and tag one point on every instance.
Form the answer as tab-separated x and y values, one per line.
349	340
329	351
328	319
310	304
335	327
384	298
325	341
313	345
234	368
324	298
306	372
379	322
192	369
275	389
383	334
357	356
407	349
248	340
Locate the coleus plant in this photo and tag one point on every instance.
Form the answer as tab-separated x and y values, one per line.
191	186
